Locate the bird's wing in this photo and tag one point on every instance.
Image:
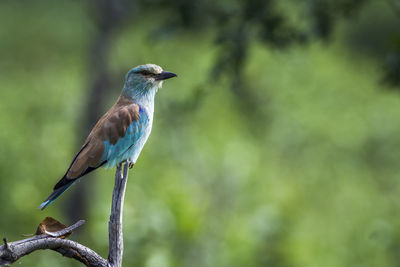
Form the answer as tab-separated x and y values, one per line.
115	131
109	132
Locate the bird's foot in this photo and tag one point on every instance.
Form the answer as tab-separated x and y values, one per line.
130	165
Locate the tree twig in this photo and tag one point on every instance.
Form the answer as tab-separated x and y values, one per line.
66	230
12	251
116	245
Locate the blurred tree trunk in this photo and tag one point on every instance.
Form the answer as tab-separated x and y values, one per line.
108	17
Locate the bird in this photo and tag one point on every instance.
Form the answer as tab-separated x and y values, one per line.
120	134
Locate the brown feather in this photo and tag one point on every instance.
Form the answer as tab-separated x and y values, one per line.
111	127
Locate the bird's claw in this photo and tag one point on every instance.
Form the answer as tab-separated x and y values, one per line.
130	165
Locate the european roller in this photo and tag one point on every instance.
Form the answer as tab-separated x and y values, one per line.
119	136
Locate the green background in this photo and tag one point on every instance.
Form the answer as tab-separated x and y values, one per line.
307	176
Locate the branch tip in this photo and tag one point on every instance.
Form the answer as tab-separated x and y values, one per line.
56	240
65	231
6	243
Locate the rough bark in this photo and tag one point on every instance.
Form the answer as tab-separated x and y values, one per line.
116	245
12	251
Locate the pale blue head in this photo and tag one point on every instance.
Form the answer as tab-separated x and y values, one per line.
145	80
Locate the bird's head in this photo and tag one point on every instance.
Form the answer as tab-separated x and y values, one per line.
145	79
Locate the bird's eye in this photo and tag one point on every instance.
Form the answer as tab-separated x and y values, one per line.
145	72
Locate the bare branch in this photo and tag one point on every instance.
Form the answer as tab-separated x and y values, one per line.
11	252
116	244
66	230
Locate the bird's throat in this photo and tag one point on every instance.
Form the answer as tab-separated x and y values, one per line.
142	97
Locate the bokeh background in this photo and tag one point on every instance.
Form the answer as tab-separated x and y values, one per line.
278	144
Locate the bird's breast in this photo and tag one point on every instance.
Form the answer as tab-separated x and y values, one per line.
130	146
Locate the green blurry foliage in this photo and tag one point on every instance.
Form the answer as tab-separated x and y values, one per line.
297	166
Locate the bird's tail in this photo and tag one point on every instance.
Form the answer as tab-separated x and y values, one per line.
58	190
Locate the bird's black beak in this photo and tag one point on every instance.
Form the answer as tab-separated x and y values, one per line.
165	75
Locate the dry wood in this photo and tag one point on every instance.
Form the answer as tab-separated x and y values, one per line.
12	251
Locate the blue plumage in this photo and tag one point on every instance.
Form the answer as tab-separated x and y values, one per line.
129	146
56	193
121	133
